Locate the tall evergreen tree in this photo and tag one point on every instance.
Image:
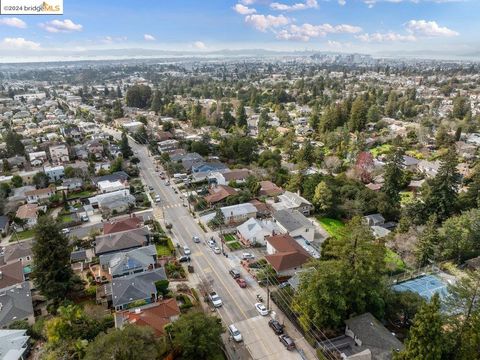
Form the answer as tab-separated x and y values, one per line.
117	111
427	246
393	177
241	116
52	273
358	115
156	102
425	340
125	147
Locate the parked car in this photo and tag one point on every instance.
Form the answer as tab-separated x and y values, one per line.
84	218
276	327
196	239
287	341
247	256
184	258
157	199
235	273
150	188
234	333
241	282
216	250
262	310
186	250
211	243
65	231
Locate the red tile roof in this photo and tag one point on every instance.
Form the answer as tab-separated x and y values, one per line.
129	223
289	254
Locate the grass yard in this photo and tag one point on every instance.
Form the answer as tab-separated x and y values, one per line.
163	250
81	194
334	227
394	261
381	150
229	238
234	245
22	235
66	219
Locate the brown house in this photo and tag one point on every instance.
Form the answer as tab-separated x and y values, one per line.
219	193
129	223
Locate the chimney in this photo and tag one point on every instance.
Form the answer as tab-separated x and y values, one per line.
1	275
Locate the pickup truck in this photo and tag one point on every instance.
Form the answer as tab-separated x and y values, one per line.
215	299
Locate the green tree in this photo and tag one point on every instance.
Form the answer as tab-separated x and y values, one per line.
358	115
441	193
125	147
197	336
393	177
16	181
52	273
157	102
373	114
241	116
139	96
14	145
461	106
253	185
428	243
117	111
40	180
425	340
323	198
130	343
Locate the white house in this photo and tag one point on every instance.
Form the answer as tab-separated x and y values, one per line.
294	223
107	186
54	173
238	213
254	231
292	201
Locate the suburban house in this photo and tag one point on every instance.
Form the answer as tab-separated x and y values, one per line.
54	173
219	193
285	255
224	177
167	146
21	251
14	344
293	201
124	240
136	290
72	184
365	338
129	262
11	274
116	200
29	213
128	223
268	188
59	154
156	316
235	214
16	304
428	168
374	220
207	167
40	195
295	224
119	175
410	163
37	158
4	225
254	231
107	186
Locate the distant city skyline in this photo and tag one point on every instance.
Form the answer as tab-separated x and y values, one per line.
425	28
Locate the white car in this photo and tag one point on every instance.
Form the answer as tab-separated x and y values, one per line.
157	199
211	243
216	250
262	310
196	239
186	250
247	256
65	231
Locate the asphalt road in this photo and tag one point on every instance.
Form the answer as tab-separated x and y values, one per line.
211	268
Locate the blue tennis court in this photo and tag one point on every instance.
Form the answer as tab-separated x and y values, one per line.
426	286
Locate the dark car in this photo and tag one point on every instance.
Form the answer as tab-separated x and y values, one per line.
287	341
184	258
235	273
276	327
242	283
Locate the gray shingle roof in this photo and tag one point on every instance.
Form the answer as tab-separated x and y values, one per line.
120	241
15	303
121	262
291	220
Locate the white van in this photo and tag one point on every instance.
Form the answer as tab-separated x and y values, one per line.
235	333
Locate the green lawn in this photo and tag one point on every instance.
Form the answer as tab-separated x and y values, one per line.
163	250
81	194
394	261
234	245
22	235
66	219
334	227
229	238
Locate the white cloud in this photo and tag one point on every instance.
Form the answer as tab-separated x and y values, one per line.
200	45
370	3
111	40
244	10
262	22
307	31
148	37
56	26
385	37
247	2
308	4
428	28
20	43
14	22
342	2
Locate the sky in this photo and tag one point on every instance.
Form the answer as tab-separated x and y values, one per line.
425	28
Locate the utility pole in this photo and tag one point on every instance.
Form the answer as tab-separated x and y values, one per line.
268	293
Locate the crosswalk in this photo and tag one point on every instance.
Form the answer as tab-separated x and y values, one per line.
171	206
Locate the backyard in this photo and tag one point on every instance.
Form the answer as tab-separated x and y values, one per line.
334	227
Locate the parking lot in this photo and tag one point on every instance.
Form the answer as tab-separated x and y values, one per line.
261	341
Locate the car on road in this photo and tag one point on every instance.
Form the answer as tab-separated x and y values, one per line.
186	250
235	273
157	199
196	239
234	333
287	341
65	231
150	188
241	282
211	243
216	250
247	256
262	310
184	258
284	285
84	218
215	299
167	183
276	326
